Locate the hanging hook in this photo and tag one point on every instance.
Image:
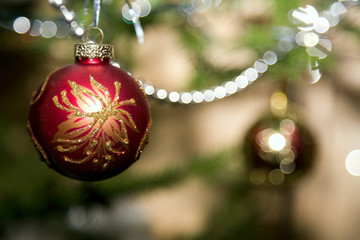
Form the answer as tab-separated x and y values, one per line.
101	34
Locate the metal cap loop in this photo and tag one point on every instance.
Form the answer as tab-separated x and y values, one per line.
100	33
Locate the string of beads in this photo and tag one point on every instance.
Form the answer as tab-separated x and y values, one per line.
309	31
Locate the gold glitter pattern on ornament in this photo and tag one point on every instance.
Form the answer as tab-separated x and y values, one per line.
97	126
87	50
37	94
38	146
144	141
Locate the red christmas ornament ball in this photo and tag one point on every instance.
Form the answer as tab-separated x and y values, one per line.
278	150
90	120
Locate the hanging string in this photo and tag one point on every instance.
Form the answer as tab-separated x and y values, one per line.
86	7
136	21
97	4
128	3
134	18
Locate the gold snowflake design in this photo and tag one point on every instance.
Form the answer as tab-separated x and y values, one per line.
96	125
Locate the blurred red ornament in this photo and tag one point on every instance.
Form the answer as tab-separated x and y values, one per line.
90	120
278	149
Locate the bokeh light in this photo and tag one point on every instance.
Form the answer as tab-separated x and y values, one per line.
48	29
257	176
241	81
270	57
129	13
277	141
251	74
311	39
161	94
321	25
174	96
352	162
278	103
276	176
21	25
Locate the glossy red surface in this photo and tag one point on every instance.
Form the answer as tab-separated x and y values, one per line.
92	61
49	123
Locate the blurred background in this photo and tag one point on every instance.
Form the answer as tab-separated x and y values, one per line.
211	170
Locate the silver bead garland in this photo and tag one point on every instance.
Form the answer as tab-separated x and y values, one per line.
311	28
